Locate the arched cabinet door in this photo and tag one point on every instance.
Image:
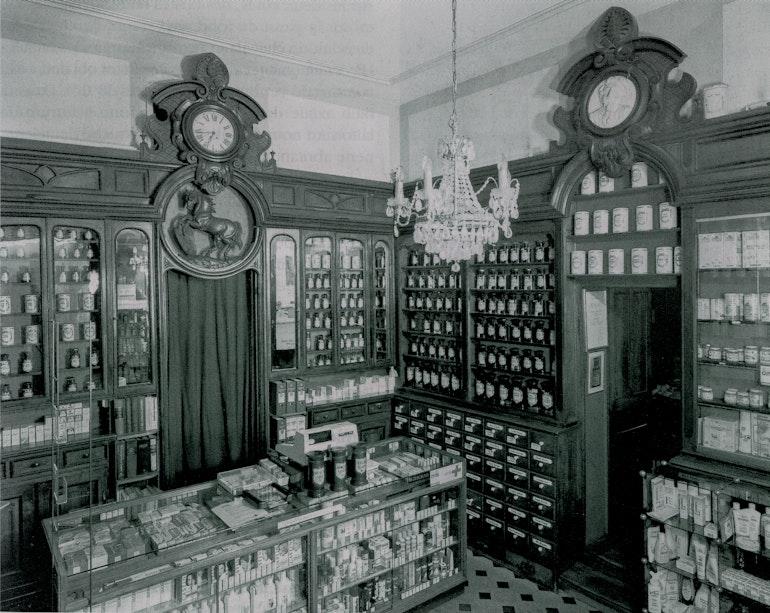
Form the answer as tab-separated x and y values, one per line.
384	323
282	299
353	311
319	324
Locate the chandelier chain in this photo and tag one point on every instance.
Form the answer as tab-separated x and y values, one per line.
454	68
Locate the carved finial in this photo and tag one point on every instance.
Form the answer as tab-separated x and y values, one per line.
212	72
616	28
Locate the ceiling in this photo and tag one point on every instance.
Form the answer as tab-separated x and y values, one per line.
379	40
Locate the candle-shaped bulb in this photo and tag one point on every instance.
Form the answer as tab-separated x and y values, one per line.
427	172
399	177
503	176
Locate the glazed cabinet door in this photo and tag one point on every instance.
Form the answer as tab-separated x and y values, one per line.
353	308
133	323
319	320
384	323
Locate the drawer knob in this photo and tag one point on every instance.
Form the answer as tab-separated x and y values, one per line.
34	464
540	465
540	528
85	456
540	507
541	486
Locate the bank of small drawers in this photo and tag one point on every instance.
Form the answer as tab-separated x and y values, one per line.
511	475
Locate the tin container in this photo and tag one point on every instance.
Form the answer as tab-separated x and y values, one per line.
677	260
639	174
588	184
581	225
714	100
717	308
751	355
601	219
89	330
7	335
764	308
32	334
63	303
715	353
30	303
733	355
731	396
639	261
616	261
68	332
756	398
733	306
704	309
5	305
595	262
750	307
578	262
664	260
619	220
764	355
744	399
667	217
360	461
707	393
606	184
340	468
644	218
316	473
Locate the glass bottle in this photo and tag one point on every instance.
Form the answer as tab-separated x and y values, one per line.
513	253
525	254
514	362
502	360
5	392
479	389
419	302
502	330
481	303
540	251
538	362
325	303
491	329
526	361
492	358
327	282
502	255
451	352
492	255
500	302
75	358
533	396
481	279
547	398
26	363
491	280
448	303
441	351
503	393
413	258
481	356
316	320
501	279
5	365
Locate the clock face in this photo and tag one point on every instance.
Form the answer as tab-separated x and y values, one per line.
213	131
612	101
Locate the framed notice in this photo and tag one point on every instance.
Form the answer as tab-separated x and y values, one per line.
595	371
595	318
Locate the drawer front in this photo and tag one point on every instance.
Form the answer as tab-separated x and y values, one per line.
473	425
472	444
356	410
542	464
375	408
453	438
475	481
401	424
474	462
372	433
401	408
517	437
30	466
494	531
326	416
417	411
544	507
495	450
542	550
416	427
435	433
475	500
494	488
435	416
516	517
453	419
542	485
494	508
474	521
494	430
517	497
517	457
494	469
517	476
542	442
542	527
454	451
516	540
78	457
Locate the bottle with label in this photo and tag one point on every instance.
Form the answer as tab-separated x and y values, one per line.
533	396
74	358
26	363
5	365
517	394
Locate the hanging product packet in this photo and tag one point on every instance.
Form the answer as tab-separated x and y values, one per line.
712	564
653	533
699	550
654	593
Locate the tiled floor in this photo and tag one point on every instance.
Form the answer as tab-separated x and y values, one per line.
495	589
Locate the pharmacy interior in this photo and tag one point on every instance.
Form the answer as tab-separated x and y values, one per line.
229	385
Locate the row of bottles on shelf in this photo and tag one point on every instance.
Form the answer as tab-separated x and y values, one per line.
435	302
433	324
30	335
323	342
316	260
81	301
25	390
323	321
507	330
526	252
322	301
433	279
442	379
520	279
515	393
736	307
24	364
533	305
73	274
28	304
352	281
431	348
514	360
22	275
317	301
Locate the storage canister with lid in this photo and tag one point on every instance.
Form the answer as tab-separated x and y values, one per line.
743	399
715	353
707	393
731	396
756	398
601	219
751	355
733	306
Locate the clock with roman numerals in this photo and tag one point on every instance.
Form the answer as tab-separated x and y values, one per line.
212	130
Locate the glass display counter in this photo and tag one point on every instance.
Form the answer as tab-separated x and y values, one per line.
204	548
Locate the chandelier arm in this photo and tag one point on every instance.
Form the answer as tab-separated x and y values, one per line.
487	182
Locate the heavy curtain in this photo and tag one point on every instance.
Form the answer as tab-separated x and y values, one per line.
209	415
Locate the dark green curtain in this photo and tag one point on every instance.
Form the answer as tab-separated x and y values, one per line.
209	419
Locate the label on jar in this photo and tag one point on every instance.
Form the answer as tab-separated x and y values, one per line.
318	475
31	335
532	396
620	220
616	261
644	218
667	215
518	395
764	374
716	309
588	184
5	305
490	390
601	221
595	262
733	306
30	303
547	400
7	335
639	175
63	302
606	184
639	260
664	260
751	355
578	262
340	470
750	307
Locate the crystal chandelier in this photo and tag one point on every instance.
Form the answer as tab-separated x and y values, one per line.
448	219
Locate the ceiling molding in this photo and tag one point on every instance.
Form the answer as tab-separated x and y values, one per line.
492	38
143	24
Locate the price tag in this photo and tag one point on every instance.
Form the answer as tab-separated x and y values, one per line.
443	474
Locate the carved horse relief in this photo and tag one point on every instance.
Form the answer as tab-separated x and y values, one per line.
223	234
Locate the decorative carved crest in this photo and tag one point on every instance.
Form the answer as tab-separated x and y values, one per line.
622	92
207	91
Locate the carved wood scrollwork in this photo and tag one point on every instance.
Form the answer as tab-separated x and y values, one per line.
622	92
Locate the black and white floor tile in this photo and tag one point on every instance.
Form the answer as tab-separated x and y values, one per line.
495	589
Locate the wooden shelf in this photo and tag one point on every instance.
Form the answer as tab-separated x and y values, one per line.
125	437
620	193
425	358
627	237
733	407
726	365
138	478
627	280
